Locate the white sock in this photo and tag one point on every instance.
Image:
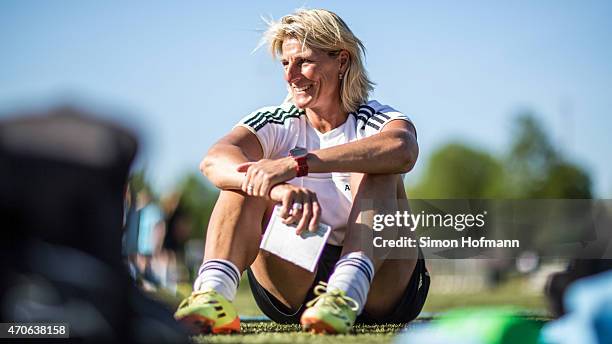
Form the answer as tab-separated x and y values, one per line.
220	275
353	274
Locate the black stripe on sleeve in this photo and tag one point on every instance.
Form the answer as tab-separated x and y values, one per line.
280	120
257	117
365	112
383	115
264	118
369	108
381	121
361	118
373	125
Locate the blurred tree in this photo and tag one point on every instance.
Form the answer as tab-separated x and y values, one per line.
537	169
564	180
458	171
532	168
198	197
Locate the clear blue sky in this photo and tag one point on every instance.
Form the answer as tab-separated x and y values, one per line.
182	73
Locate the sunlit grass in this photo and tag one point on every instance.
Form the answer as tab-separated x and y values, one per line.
510	293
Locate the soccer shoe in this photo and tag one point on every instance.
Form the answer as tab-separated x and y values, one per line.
329	312
208	312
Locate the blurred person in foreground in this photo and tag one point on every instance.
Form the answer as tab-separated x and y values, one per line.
322	154
62	183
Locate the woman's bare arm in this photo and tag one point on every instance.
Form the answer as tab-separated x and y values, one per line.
221	161
392	151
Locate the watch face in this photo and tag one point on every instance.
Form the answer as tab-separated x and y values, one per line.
298	152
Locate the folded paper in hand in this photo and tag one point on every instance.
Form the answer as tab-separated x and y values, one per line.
303	250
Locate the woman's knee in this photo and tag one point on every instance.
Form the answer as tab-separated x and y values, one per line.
236	204
367	184
235	228
374	179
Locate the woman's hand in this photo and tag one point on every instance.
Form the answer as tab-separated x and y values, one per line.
298	205
262	175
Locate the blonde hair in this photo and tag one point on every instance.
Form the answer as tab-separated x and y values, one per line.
326	31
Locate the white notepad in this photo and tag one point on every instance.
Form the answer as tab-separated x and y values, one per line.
302	250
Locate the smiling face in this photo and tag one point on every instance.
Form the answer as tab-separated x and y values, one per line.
312	75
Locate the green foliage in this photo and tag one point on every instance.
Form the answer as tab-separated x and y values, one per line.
198	198
536	169
565	180
459	171
532	168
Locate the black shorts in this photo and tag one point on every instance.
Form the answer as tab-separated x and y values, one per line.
407	309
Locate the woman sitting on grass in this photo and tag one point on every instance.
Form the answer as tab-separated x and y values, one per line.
326	154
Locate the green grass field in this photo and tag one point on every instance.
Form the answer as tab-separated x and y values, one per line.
266	332
512	293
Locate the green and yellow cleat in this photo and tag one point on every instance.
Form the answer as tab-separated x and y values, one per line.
330	312
207	312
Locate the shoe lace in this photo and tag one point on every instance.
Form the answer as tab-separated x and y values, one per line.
334	298
204	295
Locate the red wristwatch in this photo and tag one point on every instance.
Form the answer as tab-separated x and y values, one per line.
299	154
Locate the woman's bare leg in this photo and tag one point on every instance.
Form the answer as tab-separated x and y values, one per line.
234	229
379	194
234	233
